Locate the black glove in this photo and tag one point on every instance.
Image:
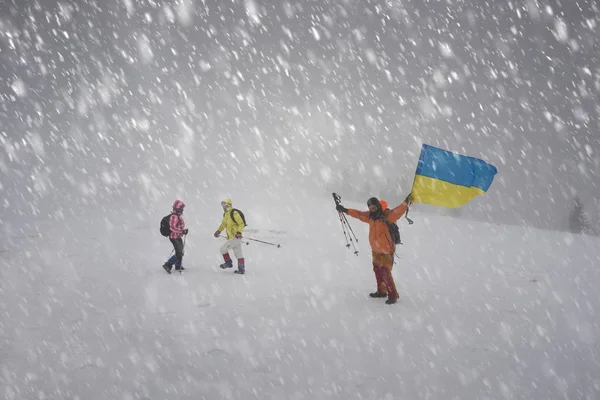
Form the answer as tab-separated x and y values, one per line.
341	208
185	231
409	198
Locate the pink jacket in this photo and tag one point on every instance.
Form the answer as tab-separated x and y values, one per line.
177	226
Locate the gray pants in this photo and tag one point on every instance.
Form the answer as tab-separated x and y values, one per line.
233	244
177	258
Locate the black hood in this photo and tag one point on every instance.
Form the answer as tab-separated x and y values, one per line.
374	201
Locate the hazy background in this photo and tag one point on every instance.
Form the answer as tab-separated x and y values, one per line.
108	104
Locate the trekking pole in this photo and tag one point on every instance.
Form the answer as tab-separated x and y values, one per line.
337	199
262	241
343	229
246	243
409	202
349	227
410	221
344	221
183	249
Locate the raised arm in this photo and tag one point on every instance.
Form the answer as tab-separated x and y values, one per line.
362	215
396	213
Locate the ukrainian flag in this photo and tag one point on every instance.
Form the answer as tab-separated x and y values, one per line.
447	179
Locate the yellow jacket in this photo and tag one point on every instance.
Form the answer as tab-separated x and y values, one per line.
231	226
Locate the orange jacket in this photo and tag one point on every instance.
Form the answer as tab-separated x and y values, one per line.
379	234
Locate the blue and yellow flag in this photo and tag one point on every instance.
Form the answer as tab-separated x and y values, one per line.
447	179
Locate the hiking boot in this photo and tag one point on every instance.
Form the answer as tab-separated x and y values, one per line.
378	295
167	267
239	271
391	300
226	265
179	268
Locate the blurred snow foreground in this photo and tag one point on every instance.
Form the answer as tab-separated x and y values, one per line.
485	312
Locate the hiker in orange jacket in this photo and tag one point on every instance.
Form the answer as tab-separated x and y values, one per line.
381	241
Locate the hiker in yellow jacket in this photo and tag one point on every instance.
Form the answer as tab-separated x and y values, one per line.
234	224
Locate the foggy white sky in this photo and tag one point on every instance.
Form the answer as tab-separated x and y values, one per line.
120	102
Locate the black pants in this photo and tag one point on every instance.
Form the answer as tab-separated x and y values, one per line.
178	246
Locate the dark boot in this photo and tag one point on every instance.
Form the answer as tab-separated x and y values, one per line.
391	300
241	267
167	267
378	295
226	264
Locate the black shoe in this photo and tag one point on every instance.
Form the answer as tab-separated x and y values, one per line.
226	265
167	267
179	268
237	271
378	295
391	301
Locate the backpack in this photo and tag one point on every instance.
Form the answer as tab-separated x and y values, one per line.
394	232
241	215
165	225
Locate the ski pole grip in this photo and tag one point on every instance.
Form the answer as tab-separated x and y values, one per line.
410	221
337	198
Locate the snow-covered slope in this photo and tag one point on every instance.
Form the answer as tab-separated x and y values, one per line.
486	311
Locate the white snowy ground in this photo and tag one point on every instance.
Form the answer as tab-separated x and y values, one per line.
486	312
